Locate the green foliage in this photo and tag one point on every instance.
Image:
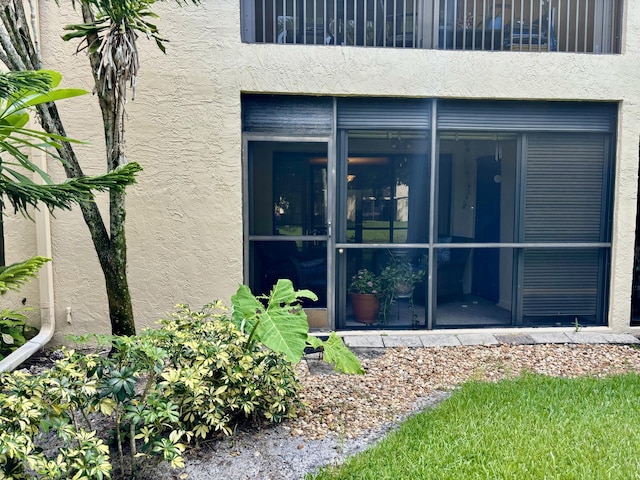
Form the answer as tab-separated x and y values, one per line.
13	323
23	91
20	92
340	356
217	373
31	406
13	276
113	16
398	280
71	191
365	281
194	377
400	271
13	328
279	321
282	324
13	82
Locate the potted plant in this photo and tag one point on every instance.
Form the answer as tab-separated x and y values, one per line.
398	280
365	290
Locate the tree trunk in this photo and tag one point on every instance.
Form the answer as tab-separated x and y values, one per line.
120	309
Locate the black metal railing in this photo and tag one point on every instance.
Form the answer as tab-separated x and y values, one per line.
587	26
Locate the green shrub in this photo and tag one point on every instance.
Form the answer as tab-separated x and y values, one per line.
195	376
31	407
214	375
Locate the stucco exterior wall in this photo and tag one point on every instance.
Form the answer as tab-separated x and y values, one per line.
20	244
184	223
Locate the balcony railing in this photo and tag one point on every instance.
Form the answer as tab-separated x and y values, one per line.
588	26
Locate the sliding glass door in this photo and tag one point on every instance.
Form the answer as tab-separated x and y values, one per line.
383	213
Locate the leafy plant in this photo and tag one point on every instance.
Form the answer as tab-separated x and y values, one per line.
32	89
400	272
13	329
194	377
13	276
398	280
365	281
278	321
217	372
110	29
31	406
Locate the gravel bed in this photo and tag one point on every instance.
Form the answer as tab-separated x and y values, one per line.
348	413
398	378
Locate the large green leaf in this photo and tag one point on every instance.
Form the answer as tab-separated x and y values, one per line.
31	100
314	342
245	308
337	354
282	325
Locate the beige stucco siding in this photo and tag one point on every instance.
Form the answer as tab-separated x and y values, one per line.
184	221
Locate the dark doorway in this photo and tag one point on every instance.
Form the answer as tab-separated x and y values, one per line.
486	261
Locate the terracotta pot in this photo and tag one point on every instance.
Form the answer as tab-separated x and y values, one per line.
365	307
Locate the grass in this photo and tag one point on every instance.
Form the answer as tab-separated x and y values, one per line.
532	427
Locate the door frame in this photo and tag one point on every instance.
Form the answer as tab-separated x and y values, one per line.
248	138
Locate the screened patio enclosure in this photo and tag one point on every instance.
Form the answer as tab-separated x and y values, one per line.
509	225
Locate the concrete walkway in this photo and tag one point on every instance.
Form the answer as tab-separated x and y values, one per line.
385	339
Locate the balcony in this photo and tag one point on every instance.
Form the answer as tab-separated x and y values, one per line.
580	26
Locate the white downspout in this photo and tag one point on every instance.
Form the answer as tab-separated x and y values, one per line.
45	280
43	246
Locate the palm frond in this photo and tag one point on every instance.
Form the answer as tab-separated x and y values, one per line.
37	81
23	192
12	277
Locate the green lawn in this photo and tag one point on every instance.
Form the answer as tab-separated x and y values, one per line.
533	427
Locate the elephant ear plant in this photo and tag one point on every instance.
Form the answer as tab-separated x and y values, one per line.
279	322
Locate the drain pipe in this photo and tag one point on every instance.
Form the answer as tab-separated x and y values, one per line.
45	277
45	280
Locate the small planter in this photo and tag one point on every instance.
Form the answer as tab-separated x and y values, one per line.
404	290
365	307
